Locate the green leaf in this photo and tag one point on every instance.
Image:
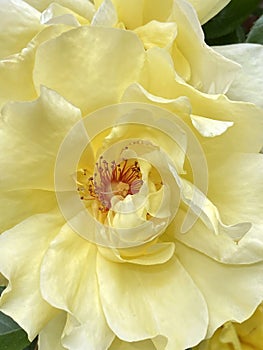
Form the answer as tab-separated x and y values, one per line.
231	17
12	337
256	33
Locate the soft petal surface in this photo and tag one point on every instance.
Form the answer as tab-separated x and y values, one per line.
68	276
18	25
247	85
107	55
50	335
142	345
208	9
157	291
224	281
31	133
21	267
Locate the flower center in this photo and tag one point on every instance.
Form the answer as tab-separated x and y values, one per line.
110	180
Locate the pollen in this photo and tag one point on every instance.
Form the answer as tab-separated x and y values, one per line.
110	179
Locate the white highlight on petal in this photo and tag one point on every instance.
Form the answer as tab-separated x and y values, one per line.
210	127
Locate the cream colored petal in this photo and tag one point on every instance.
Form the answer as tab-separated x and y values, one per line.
56	11
82	7
31	133
99	62
247	85
157	33
142	345
19	23
210	72
210	127
50	335
232	292
106	15
149	254
152	300
69	282
21	253
16	81
159	80
208	9
15	206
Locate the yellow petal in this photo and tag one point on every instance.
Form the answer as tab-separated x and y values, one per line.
31	133
15	206
210	127
224	282
68	282
21	266
16	81
55	13
120	55
157	33
19	24
50	335
121	345
210	72
248	82
82	7
208	9
157	291
106	15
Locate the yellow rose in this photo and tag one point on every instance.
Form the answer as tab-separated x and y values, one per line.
245	336
146	254
172	25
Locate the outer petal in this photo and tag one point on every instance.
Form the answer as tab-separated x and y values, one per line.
145	296
208	9
82	7
21	267
69	282
15	206
16	81
50	336
247	85
101	62
228	283
142	345
159	80
18	25
31	133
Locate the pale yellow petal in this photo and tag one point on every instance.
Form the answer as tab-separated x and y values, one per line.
16	81
99	62
210	72
55	13
82	7
50	335
19	23
157	33
31	133
68	282
15	206
21	252
145	295
208	9
225	282
142	345
210	127
247	85
106	15
159	80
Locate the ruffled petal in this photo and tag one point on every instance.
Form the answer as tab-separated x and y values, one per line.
15	206
225	282
16	81
157	291
101	62
68	282
31	133
50	335
21	267
210	72
247	85
18	25
159	80
82	7
208	9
